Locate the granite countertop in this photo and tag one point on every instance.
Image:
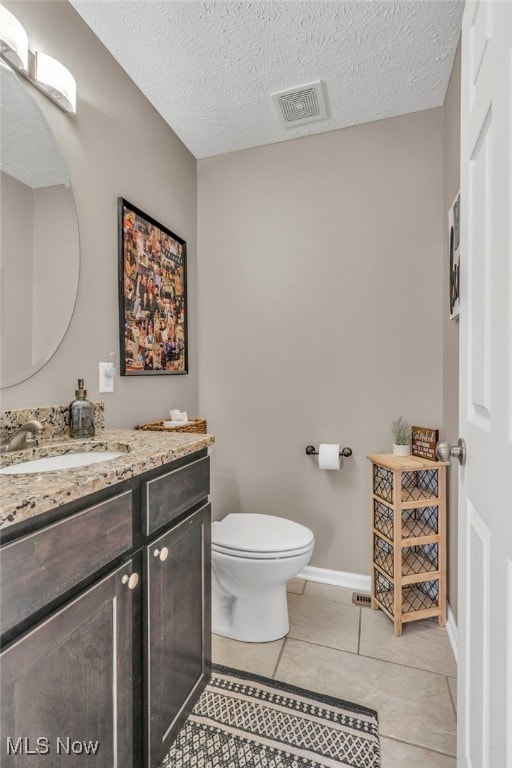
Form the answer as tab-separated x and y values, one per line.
25	496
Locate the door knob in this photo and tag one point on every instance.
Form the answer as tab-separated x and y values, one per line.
132	580
444	450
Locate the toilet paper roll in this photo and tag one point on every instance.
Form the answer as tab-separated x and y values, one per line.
329	456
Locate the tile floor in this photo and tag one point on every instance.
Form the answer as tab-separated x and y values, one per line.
337	648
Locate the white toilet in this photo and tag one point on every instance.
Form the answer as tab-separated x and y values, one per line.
253	556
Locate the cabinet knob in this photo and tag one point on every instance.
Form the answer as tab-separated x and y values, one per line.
132	580
163	554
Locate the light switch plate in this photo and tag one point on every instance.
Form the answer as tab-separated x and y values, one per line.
106	382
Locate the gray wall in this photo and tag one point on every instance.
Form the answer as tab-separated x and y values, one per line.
117	145
320	315
451	167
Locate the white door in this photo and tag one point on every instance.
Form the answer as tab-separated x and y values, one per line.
485	490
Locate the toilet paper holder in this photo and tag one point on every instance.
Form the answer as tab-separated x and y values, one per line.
312	451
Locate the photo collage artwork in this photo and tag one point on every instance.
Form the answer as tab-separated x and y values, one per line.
153	296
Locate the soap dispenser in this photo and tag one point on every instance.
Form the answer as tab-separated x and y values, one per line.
81	414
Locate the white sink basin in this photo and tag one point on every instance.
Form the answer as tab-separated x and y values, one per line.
66	461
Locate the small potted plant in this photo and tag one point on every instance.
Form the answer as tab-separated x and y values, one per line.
401	437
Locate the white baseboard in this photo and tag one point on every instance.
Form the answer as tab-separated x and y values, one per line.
361	582
357	581
451	628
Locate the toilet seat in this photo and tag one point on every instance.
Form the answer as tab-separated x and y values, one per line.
248	535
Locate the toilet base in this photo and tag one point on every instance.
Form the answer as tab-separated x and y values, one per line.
256	619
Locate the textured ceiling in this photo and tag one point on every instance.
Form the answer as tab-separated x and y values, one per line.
209	67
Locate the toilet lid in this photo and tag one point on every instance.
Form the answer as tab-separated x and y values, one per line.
246	532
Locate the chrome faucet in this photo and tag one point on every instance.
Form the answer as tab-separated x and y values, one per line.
24	437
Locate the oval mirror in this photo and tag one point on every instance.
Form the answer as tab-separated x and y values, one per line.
39	256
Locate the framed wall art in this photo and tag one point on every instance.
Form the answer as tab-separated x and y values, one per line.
454	251
152	295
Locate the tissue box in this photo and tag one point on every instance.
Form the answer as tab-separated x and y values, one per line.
193	425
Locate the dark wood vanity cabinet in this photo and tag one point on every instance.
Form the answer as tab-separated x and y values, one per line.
121	656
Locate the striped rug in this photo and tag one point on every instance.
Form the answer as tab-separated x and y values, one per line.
246	721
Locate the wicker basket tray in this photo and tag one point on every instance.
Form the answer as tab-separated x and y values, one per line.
193	425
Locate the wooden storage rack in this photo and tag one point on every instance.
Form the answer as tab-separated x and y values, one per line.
408	538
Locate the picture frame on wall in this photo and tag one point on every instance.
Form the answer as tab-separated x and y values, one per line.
454	252
152	295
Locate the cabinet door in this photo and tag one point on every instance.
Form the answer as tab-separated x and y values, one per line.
66	691
178	647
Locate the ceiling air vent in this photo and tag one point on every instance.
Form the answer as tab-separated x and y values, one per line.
303	104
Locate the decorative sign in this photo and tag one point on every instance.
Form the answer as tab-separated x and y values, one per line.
423	442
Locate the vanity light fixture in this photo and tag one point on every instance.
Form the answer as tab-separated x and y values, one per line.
55	81
13	41
47	74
